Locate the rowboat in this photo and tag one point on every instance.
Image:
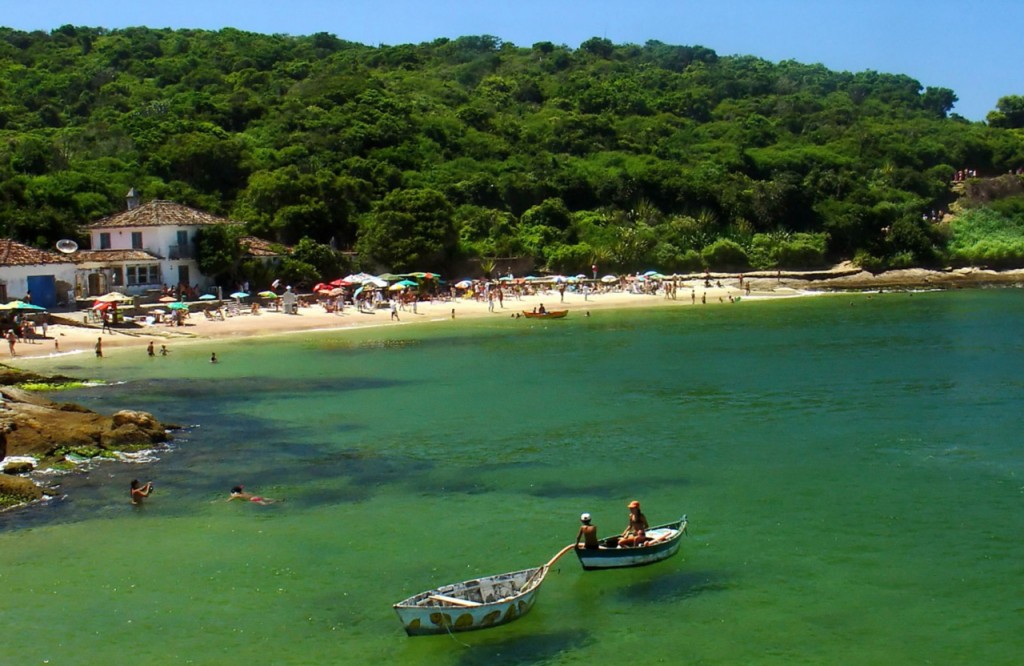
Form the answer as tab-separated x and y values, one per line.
479	603
550	314
664	543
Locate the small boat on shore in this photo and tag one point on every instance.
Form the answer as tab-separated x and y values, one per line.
479	603
664	543
550	314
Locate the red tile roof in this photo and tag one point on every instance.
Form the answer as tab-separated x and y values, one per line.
257	247
13	253
159	213
106	256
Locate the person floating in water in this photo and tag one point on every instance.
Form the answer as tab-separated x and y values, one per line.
213	357
238	492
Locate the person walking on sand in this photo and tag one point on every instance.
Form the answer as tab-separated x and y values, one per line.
11	339
394	310
99	347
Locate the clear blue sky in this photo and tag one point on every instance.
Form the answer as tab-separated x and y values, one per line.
973	48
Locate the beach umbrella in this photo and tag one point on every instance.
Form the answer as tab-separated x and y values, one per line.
355	278
398	286
162	299
376	282
178	305
21	305
337	291
341	283
113	297
102	305
358	291
609	278
158	311
207	297
268	294
320	286
239	294
463	284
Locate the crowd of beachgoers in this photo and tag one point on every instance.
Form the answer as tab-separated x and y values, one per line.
376	301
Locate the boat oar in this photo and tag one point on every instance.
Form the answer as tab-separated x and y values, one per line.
560	553
547	566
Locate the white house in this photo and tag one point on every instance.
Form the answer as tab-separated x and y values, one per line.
27	273
142	249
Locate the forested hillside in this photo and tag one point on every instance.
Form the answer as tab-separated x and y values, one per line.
423	155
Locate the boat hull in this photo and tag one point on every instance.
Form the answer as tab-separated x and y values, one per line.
551	314
480	603
606	557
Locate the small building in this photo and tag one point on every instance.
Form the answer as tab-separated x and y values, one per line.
143	248
262	250
35	275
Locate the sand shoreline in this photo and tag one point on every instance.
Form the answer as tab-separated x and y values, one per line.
66	339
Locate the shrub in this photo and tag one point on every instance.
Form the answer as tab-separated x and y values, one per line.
725	254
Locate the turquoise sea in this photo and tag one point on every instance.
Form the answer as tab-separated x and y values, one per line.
851	467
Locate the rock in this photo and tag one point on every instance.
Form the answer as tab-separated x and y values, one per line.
35	426
17	490
18	468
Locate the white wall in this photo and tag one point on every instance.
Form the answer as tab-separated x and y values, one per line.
16	277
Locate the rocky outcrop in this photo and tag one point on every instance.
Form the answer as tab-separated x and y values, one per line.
34	426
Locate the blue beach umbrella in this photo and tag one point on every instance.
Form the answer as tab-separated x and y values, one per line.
207	297
239	294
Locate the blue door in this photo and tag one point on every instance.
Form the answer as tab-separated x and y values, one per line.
43	289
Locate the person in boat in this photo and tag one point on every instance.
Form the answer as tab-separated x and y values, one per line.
140	492
541	309
588	533
238	492
638	539
637	526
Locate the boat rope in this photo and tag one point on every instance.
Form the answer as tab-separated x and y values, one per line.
448	628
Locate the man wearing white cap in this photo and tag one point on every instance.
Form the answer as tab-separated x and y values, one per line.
587	532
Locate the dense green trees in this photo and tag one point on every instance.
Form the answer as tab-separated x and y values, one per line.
420	156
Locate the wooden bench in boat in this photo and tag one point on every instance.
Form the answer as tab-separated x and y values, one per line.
454	601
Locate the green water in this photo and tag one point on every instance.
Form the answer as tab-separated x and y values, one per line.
850	465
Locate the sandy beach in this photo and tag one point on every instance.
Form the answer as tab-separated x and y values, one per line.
691	292
64	338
